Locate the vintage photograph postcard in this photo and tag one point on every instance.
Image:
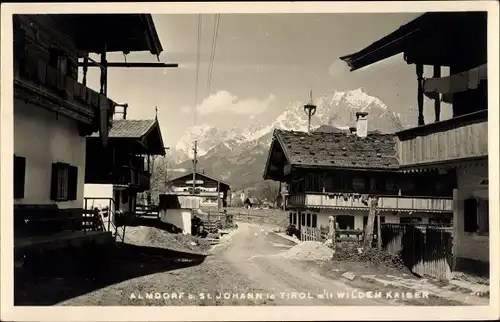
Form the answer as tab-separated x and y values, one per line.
250	161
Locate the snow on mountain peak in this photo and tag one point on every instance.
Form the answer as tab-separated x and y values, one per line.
335	108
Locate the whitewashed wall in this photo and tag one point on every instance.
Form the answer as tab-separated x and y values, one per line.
43	137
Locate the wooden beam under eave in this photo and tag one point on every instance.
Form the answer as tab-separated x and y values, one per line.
420	93
131	65
437	100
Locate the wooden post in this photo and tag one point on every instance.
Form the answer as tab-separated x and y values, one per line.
331	229
437	100
371	221
420	93
218	198
379	233
194	167
104	72
85	68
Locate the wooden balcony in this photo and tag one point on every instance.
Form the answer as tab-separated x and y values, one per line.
357	202
37	81
456	139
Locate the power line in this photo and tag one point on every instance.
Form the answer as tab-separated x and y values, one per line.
212	52
198	50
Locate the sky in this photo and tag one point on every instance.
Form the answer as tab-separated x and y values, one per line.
262	63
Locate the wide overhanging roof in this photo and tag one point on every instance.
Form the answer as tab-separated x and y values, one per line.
115	32
431	24
198	174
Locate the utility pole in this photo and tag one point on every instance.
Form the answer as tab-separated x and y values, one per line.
165	160
194	165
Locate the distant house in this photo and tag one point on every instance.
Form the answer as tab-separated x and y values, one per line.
207	188
252	202
336	174
459	144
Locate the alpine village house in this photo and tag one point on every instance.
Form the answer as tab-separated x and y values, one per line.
49	100
126	164
457	145
211	191
337	174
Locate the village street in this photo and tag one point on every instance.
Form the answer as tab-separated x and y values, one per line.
246	264
247	261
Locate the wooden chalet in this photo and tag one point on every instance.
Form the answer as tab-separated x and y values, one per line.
54	111
206	187
459	144
125	162
336	174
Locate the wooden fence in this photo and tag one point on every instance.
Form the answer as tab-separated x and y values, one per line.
425	249
348	236
310	233
213	221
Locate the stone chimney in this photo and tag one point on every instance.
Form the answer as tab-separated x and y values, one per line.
362	124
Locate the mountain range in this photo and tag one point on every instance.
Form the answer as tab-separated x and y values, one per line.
238	155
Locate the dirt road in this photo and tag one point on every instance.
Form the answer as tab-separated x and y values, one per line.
245	269
255	254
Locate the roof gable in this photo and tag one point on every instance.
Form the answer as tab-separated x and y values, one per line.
338	150
145	131
135	129
198	175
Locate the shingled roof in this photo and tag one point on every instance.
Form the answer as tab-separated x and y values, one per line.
133	129
339	150
139	136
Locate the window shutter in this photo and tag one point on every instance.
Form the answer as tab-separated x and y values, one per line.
470	215
19	176
53	183
72	182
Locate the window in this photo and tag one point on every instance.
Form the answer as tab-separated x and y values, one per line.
303	219
295	218
64	183
380	184
345	222
484	226
345	183
314	220
310	182
19	176
290	219
470	215
308	220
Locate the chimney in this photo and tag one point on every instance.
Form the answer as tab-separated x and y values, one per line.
362	124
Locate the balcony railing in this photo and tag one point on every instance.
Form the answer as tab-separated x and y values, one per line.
349	201
459	138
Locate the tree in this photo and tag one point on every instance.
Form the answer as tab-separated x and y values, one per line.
159	178
269	191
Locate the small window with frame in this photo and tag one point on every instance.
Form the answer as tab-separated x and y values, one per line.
64	183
